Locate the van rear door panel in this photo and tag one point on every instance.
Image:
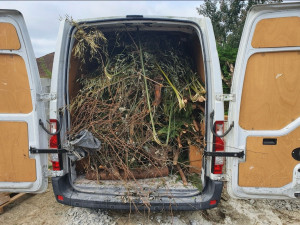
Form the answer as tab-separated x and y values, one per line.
267	108
20	171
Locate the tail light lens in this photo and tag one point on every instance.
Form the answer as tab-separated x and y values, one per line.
53	143
218	162
60	197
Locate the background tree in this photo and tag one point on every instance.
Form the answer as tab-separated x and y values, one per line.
228	19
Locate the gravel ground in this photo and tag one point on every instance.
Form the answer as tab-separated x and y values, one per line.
230	211
43	209
88	216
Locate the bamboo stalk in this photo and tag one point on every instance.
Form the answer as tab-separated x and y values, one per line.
155	136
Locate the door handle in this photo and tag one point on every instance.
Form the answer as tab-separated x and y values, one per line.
270	141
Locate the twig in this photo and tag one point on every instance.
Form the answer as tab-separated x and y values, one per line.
184	180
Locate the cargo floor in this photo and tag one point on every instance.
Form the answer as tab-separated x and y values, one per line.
161	186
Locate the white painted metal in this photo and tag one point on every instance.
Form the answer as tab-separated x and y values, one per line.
236	139
45	97
59	68
37	138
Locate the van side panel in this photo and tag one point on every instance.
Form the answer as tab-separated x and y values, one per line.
197	52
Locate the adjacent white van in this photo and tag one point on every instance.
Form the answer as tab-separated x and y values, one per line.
262	148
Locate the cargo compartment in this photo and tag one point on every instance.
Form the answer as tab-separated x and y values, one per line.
158	149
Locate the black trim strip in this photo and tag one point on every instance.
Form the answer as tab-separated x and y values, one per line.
46	150
225	154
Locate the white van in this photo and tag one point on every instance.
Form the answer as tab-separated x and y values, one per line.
262	149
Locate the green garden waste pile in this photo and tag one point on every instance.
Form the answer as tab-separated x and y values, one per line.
142	98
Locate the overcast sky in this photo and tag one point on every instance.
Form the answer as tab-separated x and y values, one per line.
42	18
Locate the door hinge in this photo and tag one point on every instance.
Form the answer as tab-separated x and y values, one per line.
45	97
224	154
54	173
225	97
219	177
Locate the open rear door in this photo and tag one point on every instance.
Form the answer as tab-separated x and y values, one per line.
266	112
20	110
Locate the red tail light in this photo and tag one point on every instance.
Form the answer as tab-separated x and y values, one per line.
60	197
55	165
213	202
218	162
53	143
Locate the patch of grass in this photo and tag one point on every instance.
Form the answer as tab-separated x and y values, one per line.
44	68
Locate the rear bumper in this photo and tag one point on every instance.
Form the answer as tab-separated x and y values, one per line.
209	198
